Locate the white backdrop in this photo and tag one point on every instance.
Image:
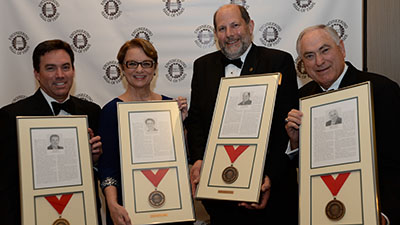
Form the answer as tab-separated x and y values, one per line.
181	31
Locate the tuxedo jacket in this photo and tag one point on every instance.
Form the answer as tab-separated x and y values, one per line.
35	105
386	101
207	73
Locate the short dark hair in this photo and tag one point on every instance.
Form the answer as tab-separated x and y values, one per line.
47	46
149	119
145	45
54	135
243	12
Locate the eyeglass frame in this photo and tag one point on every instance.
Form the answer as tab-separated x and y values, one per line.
140	63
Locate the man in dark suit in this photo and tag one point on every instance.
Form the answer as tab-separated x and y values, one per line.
54	142
234	30
53	63
333	118
323	55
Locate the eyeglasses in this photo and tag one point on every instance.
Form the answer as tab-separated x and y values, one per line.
134	65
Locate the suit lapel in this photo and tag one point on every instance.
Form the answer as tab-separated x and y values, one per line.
40	105
349	77
250	62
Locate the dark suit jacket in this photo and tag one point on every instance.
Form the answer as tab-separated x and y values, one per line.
386	99
337	121
207	72
35	105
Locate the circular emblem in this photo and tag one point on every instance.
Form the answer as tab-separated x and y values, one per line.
303	5
18	98
175	70
84	96
142	32
240	2
173	7
19	42
112	72
80	41
335	210
111	9
49	12
61	221
156	199
230	174
204	36
300	69
270	34
340	27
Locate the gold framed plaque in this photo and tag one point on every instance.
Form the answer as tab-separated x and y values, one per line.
233	163
154	169
56	172
337	158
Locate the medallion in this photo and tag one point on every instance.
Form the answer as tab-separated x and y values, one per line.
335	210
156	199
230	174
59	205
61	221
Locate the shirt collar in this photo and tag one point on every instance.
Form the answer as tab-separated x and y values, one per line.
244	55
50	99
336	84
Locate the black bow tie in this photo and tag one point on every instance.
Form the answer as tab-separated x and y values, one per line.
66	106
237	62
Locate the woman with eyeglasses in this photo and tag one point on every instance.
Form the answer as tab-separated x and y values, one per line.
137	59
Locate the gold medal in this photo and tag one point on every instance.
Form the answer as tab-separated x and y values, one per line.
335	210
230	174
61	221
156	199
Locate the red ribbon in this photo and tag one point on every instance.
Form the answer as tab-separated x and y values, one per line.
59	204
155	179
335	185
235	153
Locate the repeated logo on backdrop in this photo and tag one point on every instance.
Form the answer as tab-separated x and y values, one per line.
240	2
204	36
303	5
300	69
84	96
112	72
18	98
19	43
49	10
340	26
175	70
80	41
173	8
111	9
270	34
143	33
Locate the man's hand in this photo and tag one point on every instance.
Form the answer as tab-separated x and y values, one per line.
293	122
265	193
96	146
195	175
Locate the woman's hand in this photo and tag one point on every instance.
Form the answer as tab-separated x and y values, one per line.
183	106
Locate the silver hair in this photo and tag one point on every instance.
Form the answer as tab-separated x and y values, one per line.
332	32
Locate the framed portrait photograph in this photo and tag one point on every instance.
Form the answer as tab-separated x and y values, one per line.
154	169
234	159
337	158
56	171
